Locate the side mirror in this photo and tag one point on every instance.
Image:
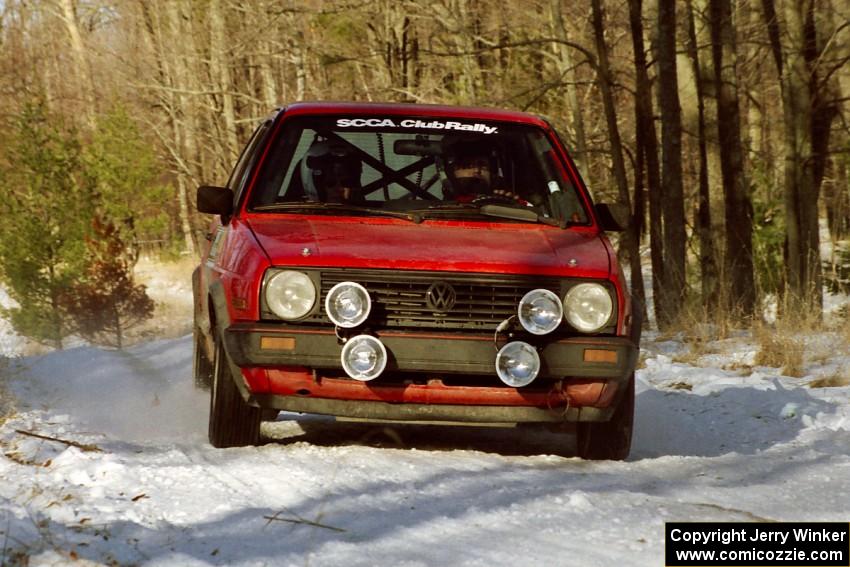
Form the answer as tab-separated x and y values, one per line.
215	200
613	217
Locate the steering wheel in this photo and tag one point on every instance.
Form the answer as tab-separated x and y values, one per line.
495	199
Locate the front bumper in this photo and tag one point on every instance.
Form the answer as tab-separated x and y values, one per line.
297	369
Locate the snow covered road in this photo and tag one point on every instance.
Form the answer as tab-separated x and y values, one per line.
142	486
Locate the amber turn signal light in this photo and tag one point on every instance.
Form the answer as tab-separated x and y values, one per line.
277	343
599	355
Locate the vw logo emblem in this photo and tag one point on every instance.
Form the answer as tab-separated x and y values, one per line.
441	296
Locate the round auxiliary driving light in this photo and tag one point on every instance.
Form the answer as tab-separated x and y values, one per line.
517	364
290	295
588	307
348	304
364	357
540	311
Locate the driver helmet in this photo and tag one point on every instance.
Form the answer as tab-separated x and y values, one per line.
471	164
330	172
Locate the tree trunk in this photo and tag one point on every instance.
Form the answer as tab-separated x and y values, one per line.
566	69
174	142
838	199
470	78
269	86
300	63
674	287
800	193
220	67
630	237
58	330
707	253
186	74
179	15
68	14
738	264
647	146
116	320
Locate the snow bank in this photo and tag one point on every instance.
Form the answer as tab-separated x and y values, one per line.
140	394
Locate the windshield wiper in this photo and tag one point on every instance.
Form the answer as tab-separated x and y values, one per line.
517	212
339	207
506	211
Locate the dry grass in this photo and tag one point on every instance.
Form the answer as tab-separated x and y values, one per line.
739	368
169	284
180	269
689	357
780	344
835	380
699	327
780	348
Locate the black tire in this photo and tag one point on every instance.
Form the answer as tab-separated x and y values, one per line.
202	367
609	440
233	423
269	414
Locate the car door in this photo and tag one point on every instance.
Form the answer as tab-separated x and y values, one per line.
218	234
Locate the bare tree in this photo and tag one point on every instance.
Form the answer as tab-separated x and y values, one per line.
67	11
673	290
606	82
220	70
167	94
707	252
567	71
738	263
646	143
791	39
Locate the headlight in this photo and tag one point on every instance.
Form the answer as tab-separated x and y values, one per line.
517	364
588	307
364	357
348	304
290	295
540	311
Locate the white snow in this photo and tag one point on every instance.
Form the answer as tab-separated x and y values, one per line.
716	439
10	342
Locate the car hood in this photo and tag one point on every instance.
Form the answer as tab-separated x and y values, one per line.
296	240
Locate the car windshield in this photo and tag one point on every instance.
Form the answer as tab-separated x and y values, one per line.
434	166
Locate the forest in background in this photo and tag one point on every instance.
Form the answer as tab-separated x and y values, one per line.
724	126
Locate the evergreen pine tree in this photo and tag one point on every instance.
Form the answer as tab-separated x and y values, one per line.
106	303
46	210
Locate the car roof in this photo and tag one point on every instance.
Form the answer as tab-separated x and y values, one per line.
408	109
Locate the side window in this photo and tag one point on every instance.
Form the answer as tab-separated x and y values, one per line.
562	194
215	247
249	156
307	137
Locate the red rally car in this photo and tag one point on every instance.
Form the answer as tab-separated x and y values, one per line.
413	262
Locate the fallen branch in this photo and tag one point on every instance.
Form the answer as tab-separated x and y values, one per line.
81	446
277	518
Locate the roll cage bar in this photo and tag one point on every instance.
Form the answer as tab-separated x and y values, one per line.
389	175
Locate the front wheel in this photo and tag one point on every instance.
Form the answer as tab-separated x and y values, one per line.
612	439
233	423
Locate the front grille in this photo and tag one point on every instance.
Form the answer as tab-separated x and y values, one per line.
400	299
